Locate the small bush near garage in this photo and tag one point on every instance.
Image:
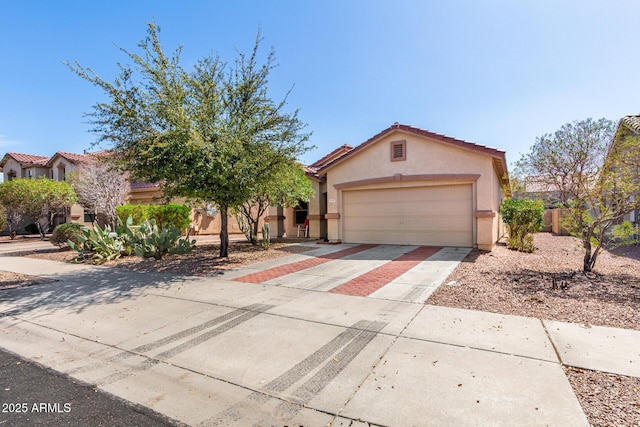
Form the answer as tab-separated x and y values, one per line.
523	218
63	233
173	214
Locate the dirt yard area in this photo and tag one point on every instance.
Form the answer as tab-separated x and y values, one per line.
201	261
510	282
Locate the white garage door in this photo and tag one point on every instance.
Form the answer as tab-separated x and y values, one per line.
437	216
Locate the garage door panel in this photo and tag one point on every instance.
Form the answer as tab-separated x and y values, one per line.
440	215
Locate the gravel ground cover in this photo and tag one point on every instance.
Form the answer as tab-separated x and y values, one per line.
608	400
13	280
509	282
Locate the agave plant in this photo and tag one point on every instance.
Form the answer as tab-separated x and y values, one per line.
100	244
153	242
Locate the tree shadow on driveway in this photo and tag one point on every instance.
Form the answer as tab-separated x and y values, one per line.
79	290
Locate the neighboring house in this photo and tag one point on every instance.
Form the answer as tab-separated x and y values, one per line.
540	188
629	126
18	165
61	164
404	186
548	191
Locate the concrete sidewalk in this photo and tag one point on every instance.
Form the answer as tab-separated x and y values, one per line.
209	351
21	244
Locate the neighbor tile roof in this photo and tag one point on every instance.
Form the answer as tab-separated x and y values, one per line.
25	159
633	122
70	157
78	158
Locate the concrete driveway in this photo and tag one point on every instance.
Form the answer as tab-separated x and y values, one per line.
392	272
213	351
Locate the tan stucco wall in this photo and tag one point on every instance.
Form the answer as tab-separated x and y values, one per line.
56	170
11	165
423	156
36	172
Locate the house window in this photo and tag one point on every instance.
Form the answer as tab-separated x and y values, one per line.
89	216
301	212
398	151
30	173
12	174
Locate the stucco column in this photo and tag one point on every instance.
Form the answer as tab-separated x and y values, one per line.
276	221
333	226
485	227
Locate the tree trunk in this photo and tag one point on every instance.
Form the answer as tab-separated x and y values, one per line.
587	263
41	228
255	232
224	232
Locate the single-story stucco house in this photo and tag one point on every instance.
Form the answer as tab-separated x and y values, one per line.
404	185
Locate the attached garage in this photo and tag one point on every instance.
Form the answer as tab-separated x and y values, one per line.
405	185
439	215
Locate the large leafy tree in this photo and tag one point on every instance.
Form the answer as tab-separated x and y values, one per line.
211	134
288	187
595	177
40	198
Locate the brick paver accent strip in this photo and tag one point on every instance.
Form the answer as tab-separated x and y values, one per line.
272	273
373	280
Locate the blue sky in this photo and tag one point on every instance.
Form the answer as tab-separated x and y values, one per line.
494	72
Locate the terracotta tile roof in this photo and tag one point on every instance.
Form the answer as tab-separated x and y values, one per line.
25	159
500	161
78	158
332	155
632	122
70	157
312	173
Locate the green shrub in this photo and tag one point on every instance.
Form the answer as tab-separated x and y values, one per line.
522	217
138	213
266	236
3	217
32	229
63	233
164	215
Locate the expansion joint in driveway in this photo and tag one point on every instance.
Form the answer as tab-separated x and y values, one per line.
273	273
375	279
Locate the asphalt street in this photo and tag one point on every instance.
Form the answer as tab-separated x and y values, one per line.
32	395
